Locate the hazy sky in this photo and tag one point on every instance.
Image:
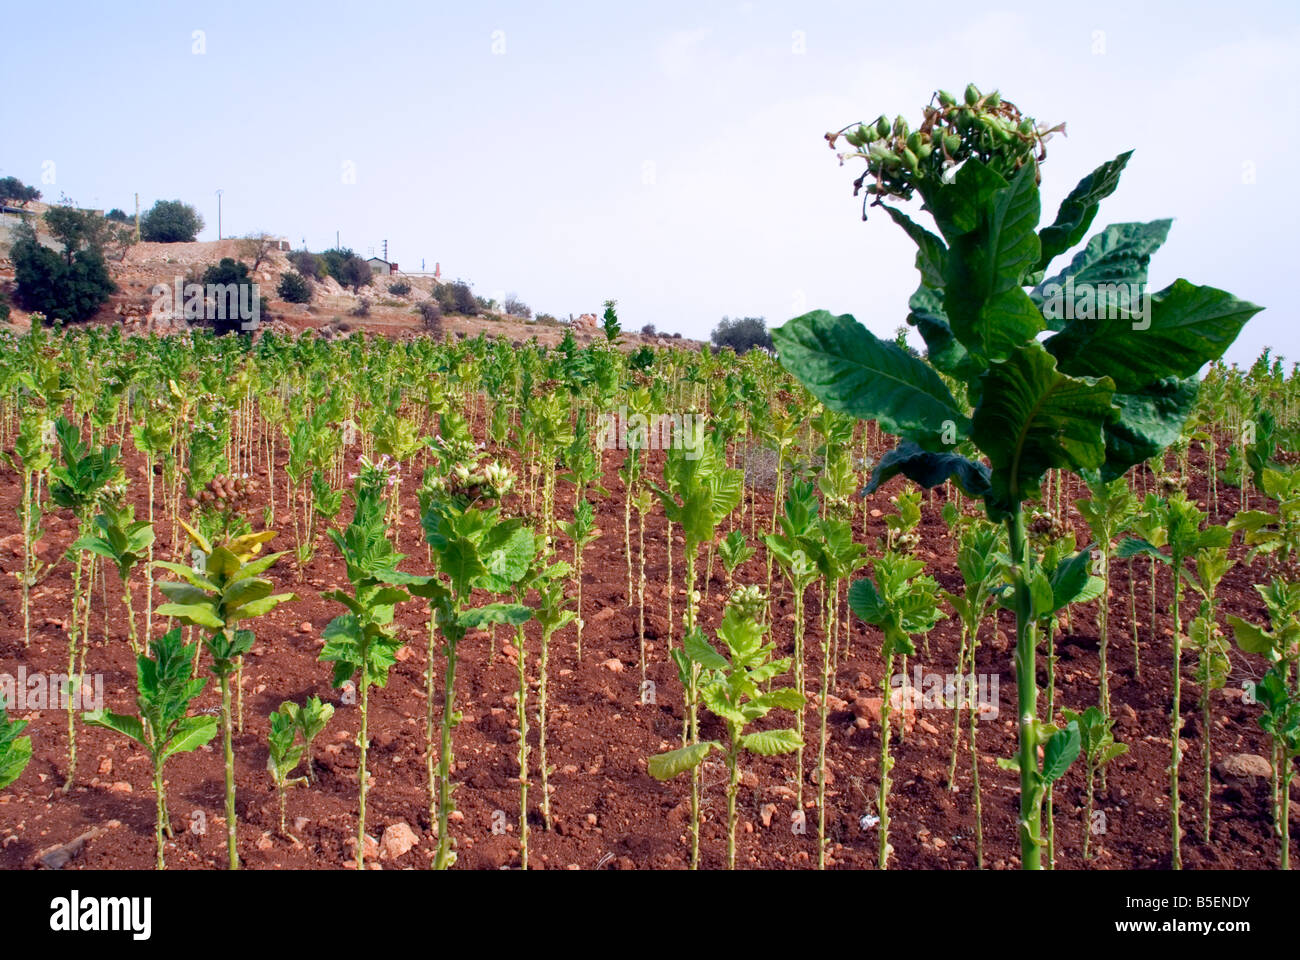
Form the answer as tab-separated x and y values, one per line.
666	154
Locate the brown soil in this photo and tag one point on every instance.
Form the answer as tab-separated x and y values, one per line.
608	812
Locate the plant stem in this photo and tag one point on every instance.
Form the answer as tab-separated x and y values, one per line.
363	742
1031	794
443	859
226	730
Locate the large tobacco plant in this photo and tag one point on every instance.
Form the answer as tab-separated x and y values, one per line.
1111	386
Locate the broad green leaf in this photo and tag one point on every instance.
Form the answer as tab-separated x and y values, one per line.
256	608
1111	270
853	372
1078	209
1032	418
200	614
1188	327
508	613
770	743
190	734
1147	422
930	469
931	254
665	766
987	307
1060	752
123	723
698	649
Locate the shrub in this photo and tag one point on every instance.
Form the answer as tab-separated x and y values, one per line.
118	215
362	309
457	298
517	308
71	287
401	288
431	315
232	272
547	319
742	334
308	264
347	268
649	330
170	221
294	288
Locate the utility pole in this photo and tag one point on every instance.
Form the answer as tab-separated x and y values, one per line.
137	218
336	241
218	214
385	251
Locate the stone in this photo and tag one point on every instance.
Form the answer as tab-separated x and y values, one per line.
397	840
1243	766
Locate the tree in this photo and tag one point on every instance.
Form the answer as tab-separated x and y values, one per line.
233	275
347	268
516	307
170	221
13	190
257	246
742	335
118	215
294	288
71	287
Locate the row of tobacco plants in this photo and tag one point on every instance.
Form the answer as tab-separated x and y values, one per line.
1060	448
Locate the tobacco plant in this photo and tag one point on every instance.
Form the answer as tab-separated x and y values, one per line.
124	541
362	643
1099	394
309	720
1108	513
283	756
165	690
1098	746
732	688
229	589
902	602
1280	719
77	483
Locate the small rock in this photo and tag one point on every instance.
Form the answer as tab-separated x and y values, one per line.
613	664
1242	766
398	838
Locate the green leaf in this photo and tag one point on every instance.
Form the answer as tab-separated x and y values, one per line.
771	743
987	307
1061	751
190	734
930	469
187	573
1032	418
257	608
1078	209
1250	638
855	373
508	613
1189	326
125	724
1113	267
1147	422
698	649
931	254
665	766
200	614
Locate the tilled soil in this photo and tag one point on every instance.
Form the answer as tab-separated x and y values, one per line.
607	812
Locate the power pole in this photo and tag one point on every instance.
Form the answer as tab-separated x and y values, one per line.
385	251
218	214
137	218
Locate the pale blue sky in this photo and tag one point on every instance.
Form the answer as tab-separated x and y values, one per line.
669	154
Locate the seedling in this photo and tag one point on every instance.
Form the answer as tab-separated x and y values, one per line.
902	602
283	756
1099	748
123	541
163	727
731	689
309	719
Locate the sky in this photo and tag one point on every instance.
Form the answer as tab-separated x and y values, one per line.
668	155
